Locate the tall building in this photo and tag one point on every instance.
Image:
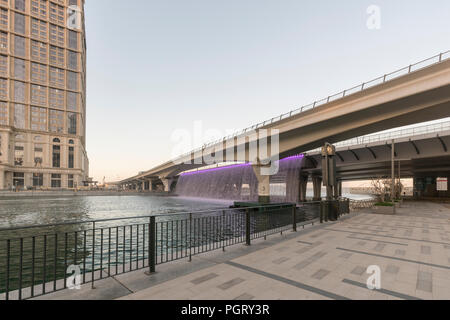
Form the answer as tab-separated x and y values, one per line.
42	94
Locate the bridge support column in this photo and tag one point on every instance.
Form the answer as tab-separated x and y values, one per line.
317	186
143	185
303	184
166	182
263	184
150	185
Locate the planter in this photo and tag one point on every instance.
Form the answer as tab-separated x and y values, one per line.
383	210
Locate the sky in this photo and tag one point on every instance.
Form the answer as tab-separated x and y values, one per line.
157	67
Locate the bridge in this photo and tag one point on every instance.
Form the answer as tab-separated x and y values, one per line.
411	95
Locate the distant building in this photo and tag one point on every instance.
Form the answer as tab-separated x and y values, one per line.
42	94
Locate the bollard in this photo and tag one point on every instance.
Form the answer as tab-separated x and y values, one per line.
294	218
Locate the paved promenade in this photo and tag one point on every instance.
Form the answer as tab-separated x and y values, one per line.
328	261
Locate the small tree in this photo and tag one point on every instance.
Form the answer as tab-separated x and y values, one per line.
380	188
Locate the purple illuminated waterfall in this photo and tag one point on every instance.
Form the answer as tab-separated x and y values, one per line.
238	182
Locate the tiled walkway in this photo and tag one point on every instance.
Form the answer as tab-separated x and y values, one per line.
329	261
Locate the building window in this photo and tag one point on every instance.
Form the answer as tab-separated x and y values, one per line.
56	157
38	154
38	72
19	91
19	23
72	60
57	35
3	18
56	56
38	119
19	46
39	29
39	8
71	157
19	5
57	77
19	116
71	123
3	41
56	121
19	69
4	88
72	101
70	181
3	65
72	80
19	179
56	181
38	179
19	153
73	40
56	13
4	113
38	51
38	94
57	98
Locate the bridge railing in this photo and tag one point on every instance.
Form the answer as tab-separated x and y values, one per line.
361	87
37	260
402	133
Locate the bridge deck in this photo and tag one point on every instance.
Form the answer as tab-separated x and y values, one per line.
322	262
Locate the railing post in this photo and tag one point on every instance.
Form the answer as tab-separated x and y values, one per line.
247	227
190	237
152	244
93	255
294	218
440	57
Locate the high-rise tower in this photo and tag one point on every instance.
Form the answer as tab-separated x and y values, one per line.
42	94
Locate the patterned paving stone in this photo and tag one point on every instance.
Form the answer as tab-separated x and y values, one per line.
204	278
346	255
280	261
358	270
400	252
245	296
379	247
425	250
320	274
227	285
392	269
361	243
424	281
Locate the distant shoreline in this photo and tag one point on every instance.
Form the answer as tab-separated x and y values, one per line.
68	193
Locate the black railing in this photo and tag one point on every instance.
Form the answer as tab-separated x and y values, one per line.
37	260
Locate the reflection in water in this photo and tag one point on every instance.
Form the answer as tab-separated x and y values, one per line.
37	211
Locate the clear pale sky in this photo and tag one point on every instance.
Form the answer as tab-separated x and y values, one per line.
155	67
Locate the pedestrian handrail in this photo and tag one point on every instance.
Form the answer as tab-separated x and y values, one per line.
36	260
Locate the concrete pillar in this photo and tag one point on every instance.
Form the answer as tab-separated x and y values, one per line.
317	186
263	184
303	184
150	185
143	185
166	182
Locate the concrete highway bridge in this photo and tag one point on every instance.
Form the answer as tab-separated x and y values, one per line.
411	95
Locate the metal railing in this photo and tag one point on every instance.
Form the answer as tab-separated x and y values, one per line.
361	87
387	136
34	260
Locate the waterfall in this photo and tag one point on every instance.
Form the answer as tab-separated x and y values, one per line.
238	182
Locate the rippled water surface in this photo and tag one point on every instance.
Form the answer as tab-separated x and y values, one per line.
37	211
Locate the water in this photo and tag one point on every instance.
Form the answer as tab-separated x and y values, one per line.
38	211
239	182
